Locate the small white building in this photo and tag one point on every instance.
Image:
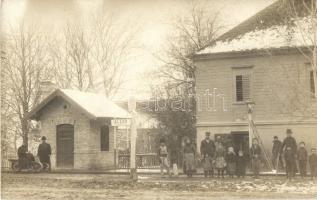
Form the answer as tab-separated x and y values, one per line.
78	127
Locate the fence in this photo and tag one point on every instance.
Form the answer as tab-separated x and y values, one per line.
5	163
143	161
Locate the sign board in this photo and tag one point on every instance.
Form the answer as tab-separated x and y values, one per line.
121	122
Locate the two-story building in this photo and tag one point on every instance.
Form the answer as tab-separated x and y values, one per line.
265	59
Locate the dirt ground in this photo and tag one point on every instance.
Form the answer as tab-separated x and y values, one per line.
102	186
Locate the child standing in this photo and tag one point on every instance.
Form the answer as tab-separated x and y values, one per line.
302	156
313	163
241	164
231	162
162	154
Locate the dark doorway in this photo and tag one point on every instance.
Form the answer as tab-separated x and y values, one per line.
240	141
226	139
65	146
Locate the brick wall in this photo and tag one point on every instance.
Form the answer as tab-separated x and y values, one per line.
270	79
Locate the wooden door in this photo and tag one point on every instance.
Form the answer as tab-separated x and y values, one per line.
65	146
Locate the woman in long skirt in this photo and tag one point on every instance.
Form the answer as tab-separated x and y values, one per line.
189	158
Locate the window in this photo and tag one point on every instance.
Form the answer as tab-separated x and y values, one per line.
312	83
242	87
104	138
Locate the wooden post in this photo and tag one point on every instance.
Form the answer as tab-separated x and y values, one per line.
115	146
133	136
314	58
250	118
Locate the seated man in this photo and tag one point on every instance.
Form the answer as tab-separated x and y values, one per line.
22	155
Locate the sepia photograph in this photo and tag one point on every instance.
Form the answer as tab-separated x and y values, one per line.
158	99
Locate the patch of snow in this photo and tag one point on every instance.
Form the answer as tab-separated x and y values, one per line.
278	36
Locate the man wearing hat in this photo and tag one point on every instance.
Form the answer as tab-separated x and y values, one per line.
44	152
207	151
290	143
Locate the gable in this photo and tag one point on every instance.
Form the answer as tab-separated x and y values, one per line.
93	105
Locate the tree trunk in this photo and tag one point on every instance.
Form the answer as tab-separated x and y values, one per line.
25	131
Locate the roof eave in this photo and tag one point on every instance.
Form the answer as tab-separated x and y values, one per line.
33	113
251	53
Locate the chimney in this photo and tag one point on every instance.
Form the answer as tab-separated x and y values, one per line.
46	88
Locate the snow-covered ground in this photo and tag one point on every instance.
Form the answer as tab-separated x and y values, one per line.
101	186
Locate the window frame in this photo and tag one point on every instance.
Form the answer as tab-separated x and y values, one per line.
241	71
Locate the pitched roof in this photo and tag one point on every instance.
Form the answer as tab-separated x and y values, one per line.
273	27
92	104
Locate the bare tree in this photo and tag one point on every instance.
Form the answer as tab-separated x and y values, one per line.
91	57
71	58
24	67
299	80
191	33
304	16
112	47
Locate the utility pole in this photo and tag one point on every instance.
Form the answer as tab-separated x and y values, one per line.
314	59
133	135
250	119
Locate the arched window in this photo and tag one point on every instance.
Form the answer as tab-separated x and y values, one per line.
104	138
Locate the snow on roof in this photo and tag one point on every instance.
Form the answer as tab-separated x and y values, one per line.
98	105
278	36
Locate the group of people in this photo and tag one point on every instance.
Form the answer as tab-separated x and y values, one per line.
44	152
288	155
215	156
217	159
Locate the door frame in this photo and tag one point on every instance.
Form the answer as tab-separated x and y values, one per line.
71	127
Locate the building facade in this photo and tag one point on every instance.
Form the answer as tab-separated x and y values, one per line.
256	61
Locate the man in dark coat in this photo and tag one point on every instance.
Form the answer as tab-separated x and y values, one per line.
289	162
44	152
290	142
277	159
207	151
313	163
22	155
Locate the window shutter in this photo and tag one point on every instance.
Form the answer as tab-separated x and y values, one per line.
312	84
104	138
239	88
242	87
246	87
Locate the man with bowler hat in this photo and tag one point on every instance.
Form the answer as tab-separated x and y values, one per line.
290	144
44	152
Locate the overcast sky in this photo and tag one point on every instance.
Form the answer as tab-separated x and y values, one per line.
152	18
